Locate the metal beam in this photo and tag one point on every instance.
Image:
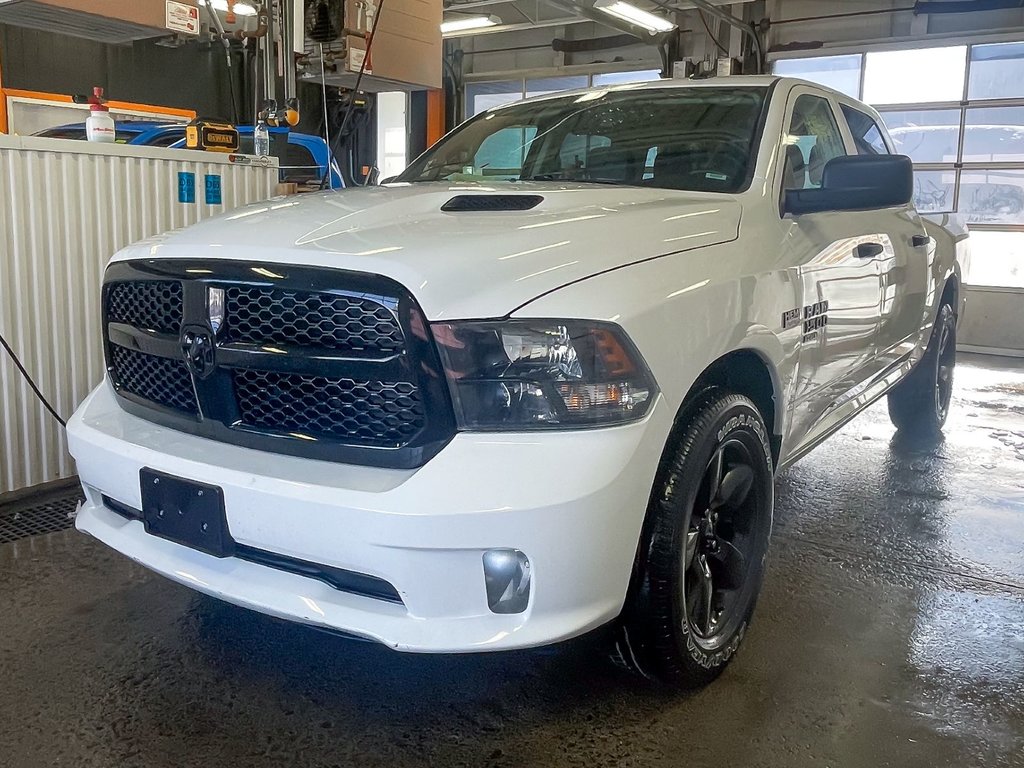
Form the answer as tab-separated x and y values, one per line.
585	12
683	5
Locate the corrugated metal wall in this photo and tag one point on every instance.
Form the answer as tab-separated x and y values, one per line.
65	208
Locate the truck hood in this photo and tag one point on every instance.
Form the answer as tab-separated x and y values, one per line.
461	264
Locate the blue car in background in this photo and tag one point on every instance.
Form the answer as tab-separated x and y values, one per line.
304	161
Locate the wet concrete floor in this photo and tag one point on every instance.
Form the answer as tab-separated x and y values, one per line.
890	633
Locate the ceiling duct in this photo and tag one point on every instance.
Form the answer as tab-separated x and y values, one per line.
592	44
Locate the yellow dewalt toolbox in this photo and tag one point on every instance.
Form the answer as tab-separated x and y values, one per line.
211	135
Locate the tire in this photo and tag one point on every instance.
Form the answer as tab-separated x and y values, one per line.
920	403
702	552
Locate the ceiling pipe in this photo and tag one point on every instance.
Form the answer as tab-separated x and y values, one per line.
732	21
713	10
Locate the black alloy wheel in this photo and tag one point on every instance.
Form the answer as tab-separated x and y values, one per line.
944	371
702	551
920	403
719	545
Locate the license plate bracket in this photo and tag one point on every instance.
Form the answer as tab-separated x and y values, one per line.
185	512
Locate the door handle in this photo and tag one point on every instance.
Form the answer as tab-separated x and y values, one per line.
868	250
920	241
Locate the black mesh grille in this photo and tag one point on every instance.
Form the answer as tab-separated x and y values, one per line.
345	323
159	379
320	363
478	203
153	305
372	413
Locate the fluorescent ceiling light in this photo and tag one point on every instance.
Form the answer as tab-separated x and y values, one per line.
468	23
242	9
635	15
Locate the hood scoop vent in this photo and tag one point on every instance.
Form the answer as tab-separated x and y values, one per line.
487	203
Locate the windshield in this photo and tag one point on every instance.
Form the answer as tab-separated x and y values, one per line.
675	138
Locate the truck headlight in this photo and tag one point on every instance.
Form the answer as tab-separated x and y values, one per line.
543	374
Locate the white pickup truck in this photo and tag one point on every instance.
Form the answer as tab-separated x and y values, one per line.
538	385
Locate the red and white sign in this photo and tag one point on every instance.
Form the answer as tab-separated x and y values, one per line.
182	17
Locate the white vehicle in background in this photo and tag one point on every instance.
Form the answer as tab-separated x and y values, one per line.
539	385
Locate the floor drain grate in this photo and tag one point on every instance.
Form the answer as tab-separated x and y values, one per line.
32	518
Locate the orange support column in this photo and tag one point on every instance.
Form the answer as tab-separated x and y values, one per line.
3	97
435	116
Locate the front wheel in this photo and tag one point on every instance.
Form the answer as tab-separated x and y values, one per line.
920	403
702	556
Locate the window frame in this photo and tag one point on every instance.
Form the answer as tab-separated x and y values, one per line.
959	168
960	106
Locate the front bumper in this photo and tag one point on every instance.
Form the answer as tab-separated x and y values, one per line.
573	502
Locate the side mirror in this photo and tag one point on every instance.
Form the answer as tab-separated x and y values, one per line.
387	180
856	183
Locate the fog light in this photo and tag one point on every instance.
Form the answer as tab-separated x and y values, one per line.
507	576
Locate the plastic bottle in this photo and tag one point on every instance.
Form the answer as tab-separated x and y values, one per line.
100	125
261	139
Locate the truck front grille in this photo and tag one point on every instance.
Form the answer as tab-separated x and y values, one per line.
157	379
155	305
361	326
374	413
312	362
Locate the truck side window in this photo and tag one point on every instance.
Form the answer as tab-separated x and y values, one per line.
299	165
866	133
812	140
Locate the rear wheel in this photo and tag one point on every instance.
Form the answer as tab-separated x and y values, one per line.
701	560
920	403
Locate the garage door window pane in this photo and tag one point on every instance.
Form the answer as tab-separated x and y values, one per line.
914	76
839	72
927	136
933	191
547	85
997	258
481	96
994	135
992	197
618	78
997	71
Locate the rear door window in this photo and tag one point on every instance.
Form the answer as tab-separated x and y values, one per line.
298	165
167	138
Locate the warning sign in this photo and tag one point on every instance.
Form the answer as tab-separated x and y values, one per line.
182	17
